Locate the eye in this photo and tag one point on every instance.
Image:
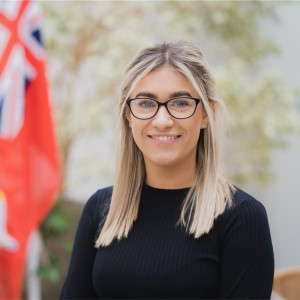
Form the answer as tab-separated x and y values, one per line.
181	102
145	103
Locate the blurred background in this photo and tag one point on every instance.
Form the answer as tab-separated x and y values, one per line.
253	51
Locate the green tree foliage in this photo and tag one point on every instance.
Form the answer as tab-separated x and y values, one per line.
90	42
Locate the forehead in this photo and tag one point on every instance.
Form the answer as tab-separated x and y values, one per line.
163	82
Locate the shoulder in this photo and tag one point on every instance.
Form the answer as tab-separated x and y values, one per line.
243	202
101	195
246	212
99	202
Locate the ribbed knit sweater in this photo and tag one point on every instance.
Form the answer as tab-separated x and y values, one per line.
160	260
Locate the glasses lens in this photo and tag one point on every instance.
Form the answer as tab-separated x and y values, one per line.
143	108
182	107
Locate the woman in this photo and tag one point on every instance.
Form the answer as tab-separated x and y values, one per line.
172	226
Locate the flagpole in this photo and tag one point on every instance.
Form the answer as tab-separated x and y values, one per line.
34	251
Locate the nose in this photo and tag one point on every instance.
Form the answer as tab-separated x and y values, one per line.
162	119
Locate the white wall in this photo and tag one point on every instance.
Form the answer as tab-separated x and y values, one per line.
282	197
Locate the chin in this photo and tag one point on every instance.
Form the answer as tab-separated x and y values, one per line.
163	161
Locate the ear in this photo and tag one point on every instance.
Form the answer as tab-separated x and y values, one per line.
128	117
213	104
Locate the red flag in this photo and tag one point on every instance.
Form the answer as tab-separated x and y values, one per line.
29	169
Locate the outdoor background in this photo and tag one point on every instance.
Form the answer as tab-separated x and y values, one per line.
252	49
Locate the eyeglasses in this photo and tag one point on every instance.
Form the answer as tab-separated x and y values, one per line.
146	108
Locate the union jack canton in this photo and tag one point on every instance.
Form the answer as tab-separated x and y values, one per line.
20	48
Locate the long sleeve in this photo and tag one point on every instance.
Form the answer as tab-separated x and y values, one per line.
78	283
247	268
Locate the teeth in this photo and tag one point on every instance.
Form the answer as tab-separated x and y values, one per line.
164	138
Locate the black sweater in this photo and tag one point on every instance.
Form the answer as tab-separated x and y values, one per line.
160	260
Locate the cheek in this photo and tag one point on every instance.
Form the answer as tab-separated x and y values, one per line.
134	126
196	135
137	130
194	126
134	133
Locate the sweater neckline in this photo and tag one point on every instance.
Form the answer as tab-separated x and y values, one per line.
164	193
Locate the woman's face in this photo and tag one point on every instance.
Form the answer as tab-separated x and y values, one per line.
164	140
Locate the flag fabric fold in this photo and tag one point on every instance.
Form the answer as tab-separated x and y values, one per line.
29	165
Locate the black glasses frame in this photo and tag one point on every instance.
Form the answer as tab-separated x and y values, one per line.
165	104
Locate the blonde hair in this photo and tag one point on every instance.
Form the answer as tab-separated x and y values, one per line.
211	192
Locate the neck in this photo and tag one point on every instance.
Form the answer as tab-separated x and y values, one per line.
175	177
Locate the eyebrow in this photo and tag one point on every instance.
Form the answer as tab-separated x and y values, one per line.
146	94
172	95
180	94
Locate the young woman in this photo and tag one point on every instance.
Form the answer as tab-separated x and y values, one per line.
172	226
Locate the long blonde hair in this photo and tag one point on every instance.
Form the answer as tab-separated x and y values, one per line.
211	192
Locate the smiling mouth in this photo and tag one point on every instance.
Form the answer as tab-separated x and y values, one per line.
164	138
